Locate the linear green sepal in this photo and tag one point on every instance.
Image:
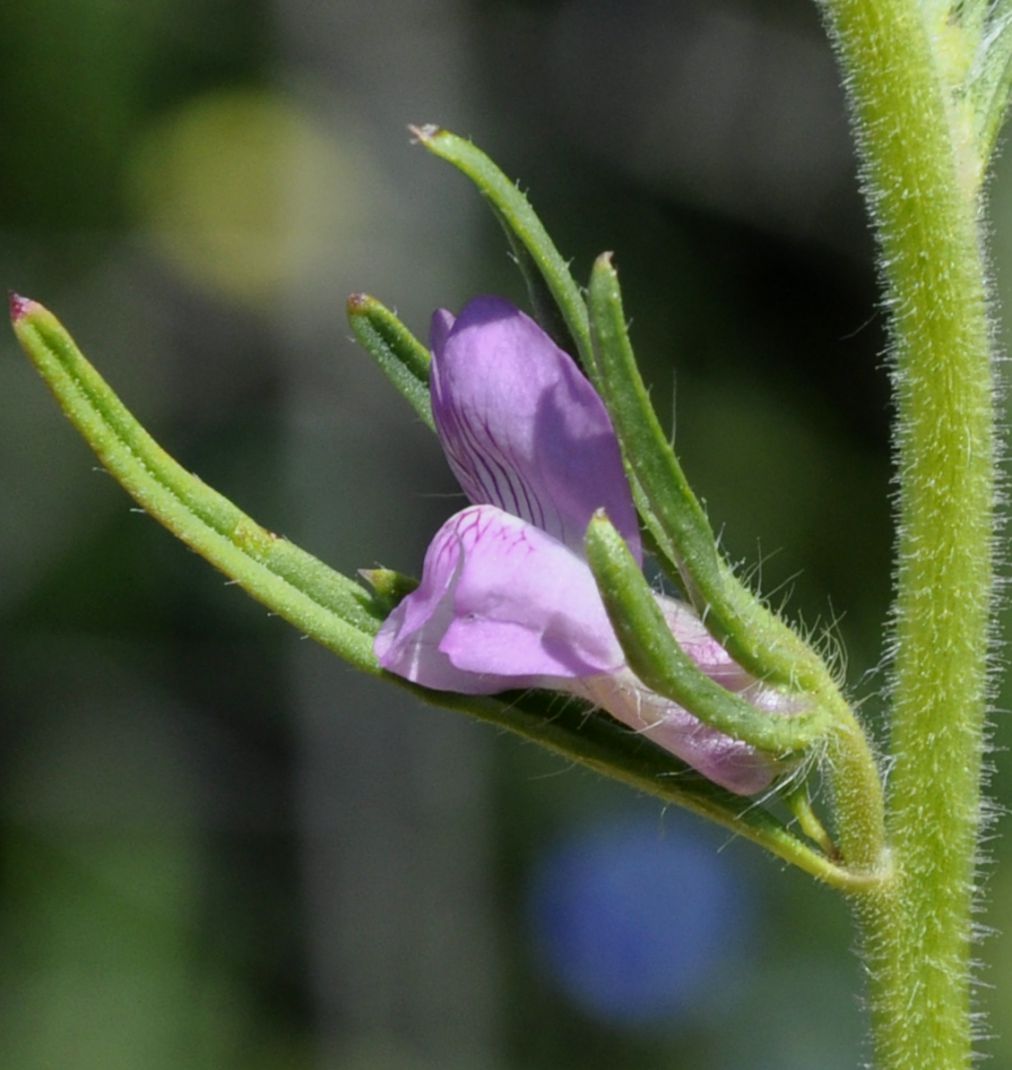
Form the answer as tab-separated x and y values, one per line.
667	504
660	662
555	296
320	602
399	354
756	638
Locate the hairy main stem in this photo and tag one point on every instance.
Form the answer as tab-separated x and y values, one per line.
920	179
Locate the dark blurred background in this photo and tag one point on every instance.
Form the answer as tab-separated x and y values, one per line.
222	849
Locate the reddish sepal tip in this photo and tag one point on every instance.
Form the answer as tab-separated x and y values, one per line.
19	306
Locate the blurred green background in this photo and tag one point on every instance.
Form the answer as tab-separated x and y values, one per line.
220	848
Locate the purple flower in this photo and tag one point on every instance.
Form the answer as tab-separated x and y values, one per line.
507	599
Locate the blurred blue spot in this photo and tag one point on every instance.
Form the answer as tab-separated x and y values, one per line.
633	919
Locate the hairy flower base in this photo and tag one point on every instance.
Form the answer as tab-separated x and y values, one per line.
507	599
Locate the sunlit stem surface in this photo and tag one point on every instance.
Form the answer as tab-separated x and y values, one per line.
921	179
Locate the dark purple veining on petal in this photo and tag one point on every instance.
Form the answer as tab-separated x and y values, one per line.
495	480
532	507
484	466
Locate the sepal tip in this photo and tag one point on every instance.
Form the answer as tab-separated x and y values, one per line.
19	306
390	586
358	304
423	132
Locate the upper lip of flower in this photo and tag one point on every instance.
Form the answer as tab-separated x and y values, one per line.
522	427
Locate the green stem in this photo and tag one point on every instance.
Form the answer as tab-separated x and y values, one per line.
920	177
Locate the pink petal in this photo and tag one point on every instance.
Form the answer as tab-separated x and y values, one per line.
521	426
704	650
726	761
501	605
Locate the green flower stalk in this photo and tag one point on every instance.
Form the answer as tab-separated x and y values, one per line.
343	616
